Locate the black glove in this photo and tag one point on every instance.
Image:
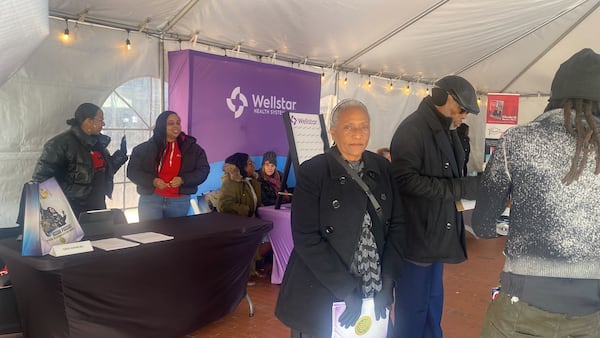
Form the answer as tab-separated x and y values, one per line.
124	145
384	298
353	309
469	187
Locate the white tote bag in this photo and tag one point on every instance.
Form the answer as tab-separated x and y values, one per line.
365	327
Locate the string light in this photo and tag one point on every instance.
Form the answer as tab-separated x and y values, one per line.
369	83
427	91
406	89
128	42
391	85
478	100
322	74
346	79
66	33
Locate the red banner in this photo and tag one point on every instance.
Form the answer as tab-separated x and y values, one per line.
502	108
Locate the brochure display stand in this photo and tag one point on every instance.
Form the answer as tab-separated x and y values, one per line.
307	137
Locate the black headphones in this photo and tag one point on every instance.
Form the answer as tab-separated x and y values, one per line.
439	96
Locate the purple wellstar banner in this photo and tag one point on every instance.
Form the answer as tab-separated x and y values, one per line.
235	105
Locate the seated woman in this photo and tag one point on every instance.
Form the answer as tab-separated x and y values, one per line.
240	194
270	179
240	190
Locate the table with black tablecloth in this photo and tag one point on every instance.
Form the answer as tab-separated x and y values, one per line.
163	289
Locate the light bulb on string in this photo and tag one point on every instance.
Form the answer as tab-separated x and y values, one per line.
322	74
478	100
66	32
346	79
427	91
128	42
391	85
369	83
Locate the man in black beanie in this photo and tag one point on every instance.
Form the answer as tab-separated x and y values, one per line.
549	168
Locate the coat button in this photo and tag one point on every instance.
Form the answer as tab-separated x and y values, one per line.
329	230
343	180
383	197
446	165
336	204
448	226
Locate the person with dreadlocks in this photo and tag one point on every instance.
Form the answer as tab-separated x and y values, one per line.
549	168
167	169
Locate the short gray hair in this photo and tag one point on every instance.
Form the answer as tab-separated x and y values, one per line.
344	105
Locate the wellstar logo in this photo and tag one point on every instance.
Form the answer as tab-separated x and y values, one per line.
236	94
237	103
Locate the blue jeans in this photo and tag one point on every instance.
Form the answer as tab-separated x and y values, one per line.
419	301
156	207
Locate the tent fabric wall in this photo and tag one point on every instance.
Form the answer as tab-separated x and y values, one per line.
37	100
23	32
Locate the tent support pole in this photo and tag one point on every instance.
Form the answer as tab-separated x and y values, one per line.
161	71
552	45
518	38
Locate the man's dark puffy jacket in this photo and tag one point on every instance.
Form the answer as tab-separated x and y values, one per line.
67	158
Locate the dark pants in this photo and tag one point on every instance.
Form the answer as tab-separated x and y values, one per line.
508	317
419	301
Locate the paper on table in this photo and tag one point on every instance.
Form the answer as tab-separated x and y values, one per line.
113	244
148	237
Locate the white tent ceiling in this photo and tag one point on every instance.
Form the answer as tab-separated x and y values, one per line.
500	46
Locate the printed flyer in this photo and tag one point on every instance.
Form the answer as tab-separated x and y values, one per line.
49	219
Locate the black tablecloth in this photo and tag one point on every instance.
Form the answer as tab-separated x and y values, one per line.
164	289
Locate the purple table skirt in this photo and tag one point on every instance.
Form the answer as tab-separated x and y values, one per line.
280	237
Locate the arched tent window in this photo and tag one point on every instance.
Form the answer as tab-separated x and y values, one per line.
130	110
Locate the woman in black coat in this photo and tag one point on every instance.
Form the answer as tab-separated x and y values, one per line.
335	228
167	169
80	162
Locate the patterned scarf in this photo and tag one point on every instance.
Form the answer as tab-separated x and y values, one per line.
366	258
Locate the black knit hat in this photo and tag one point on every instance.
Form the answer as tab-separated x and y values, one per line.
578	77
240	160
270	156
84	111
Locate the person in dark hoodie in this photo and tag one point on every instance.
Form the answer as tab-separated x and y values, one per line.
167	169
79	161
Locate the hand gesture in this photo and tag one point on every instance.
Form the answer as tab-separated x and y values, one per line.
123	145
159	183
176	182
